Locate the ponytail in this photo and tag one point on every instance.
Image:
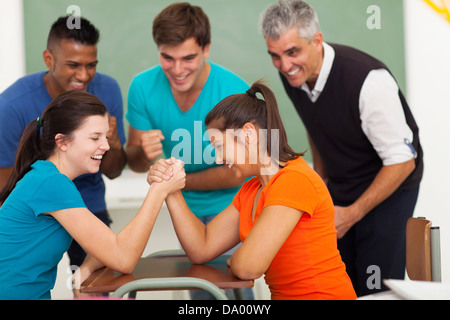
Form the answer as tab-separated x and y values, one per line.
27	153
273	121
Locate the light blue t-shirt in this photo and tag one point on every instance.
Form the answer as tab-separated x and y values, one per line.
31	243
151	105
27	98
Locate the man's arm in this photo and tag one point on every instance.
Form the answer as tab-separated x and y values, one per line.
212	179
115	158
384	123
388	179
143	148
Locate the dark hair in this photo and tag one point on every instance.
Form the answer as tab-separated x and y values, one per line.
236	110
65	114
181	21
86	34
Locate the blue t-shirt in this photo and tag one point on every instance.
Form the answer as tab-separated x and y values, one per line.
151	105
31	243
27	98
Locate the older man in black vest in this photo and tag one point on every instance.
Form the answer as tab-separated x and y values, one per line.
363	137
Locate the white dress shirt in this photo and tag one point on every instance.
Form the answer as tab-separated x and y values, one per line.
382	118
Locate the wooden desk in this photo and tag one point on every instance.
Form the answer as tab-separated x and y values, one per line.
216	272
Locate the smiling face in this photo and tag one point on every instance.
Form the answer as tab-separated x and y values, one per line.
229	151
184	65
237	149
83	151
296	59
71	65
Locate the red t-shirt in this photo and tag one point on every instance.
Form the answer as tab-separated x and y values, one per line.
308	265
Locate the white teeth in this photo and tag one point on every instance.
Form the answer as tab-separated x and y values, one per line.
293	73
97	157
77	85
180	78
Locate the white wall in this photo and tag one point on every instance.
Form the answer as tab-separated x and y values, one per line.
12	47
428	91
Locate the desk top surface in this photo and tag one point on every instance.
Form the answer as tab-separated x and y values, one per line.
216	272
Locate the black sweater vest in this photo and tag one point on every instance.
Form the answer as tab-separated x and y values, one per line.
333	123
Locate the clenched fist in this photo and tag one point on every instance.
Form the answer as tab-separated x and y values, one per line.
151	144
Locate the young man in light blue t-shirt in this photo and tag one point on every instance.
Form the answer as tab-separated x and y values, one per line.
168	103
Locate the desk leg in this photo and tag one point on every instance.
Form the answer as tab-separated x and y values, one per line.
238	294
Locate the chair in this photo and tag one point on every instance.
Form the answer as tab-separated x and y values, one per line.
423	260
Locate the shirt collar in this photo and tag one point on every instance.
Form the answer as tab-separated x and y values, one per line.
327	63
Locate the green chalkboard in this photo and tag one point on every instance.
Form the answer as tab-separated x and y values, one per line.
126	46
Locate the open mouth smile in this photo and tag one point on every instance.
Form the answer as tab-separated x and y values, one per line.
293	73
78	85
97	157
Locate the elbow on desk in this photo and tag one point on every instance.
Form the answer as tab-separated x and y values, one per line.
128	270
198	259
246	274
125	269
199	255
246	271
124	266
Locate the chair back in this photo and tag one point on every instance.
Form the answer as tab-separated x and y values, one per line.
418	249
423	250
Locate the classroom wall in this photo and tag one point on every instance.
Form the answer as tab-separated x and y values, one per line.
12	43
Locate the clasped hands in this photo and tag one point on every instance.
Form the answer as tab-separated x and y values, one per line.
168	173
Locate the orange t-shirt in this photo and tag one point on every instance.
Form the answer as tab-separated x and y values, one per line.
308	265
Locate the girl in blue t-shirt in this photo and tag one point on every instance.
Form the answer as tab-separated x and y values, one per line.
41	209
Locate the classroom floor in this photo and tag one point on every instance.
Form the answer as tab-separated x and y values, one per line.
124	195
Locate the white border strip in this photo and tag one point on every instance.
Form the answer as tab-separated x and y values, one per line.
12	42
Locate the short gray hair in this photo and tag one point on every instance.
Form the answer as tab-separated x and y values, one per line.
286	14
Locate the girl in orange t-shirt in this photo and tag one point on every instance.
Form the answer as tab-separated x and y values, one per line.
284	215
